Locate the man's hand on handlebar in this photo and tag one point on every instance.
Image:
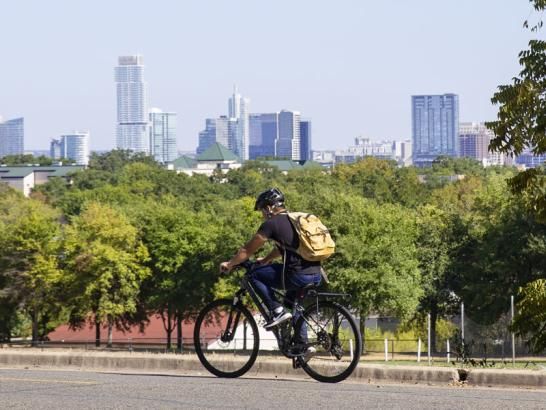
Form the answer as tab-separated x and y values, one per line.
224	268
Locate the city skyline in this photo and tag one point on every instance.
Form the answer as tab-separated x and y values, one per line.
353	60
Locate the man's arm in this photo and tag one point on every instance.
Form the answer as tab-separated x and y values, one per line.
244	252
274	254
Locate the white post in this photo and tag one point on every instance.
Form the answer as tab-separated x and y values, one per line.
419	350
386	350
448	351
462	321
351	348
513	336
428	335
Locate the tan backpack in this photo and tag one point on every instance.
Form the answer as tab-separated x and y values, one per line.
316	244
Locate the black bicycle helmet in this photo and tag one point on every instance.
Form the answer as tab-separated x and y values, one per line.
271	197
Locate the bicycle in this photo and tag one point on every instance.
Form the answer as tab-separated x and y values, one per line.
324	341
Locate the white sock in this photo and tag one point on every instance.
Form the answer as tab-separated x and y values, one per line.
278	310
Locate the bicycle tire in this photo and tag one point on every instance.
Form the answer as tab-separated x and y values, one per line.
312	370
199	342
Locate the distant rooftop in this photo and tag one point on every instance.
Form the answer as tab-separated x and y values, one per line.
217	152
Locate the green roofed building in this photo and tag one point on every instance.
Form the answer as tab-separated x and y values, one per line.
214	157
25	178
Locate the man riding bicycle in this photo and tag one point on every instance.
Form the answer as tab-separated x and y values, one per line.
292	274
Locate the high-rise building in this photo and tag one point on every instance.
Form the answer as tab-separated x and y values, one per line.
12	137
263	135
474	139
238	113
435	127
163	136
73	146
288	142
56	149
305	139
132	119
216	130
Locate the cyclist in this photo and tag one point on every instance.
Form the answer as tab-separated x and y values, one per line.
292	274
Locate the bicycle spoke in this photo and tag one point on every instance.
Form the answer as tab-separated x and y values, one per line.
226	339
332	332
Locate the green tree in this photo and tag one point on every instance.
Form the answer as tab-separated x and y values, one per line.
376	259
104	266
521	119
530	319
181	243
30	239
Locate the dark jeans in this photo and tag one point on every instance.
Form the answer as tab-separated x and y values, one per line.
266	277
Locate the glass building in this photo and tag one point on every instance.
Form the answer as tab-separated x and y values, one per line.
73	146
305	140
132	118
288	142
435	127
163	136
216	130
264	132
238	114
12	137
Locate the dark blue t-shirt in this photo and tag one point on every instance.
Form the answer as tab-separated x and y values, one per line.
279	229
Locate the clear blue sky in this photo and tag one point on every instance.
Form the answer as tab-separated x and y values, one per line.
350	66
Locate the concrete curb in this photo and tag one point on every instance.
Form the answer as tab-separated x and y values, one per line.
268	367
512	378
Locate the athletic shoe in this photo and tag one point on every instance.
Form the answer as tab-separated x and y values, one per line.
278	318
309	353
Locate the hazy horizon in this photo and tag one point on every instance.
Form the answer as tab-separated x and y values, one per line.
350	67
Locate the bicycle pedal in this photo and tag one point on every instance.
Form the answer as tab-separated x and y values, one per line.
295	363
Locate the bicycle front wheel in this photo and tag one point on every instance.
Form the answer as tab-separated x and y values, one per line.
226	338
332	342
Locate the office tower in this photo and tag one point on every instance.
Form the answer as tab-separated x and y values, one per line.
238	112
132	119
216	130
288	142
74	147
435	127
474	139
163	136
263	135
12	137
305	140
56	149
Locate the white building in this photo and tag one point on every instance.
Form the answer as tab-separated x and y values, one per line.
399	151
163	136
73	146
238	112
132	119
12	136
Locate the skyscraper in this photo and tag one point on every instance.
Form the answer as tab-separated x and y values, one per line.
163	136
263	135
435	127
474	139
73	146
305	140
238	107
12	137
132	119
216	130
288	143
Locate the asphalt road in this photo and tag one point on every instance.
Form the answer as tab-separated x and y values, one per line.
53	389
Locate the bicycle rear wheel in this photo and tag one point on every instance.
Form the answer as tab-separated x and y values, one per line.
226	338
333	332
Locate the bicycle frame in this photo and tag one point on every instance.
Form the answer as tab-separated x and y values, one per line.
282	339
